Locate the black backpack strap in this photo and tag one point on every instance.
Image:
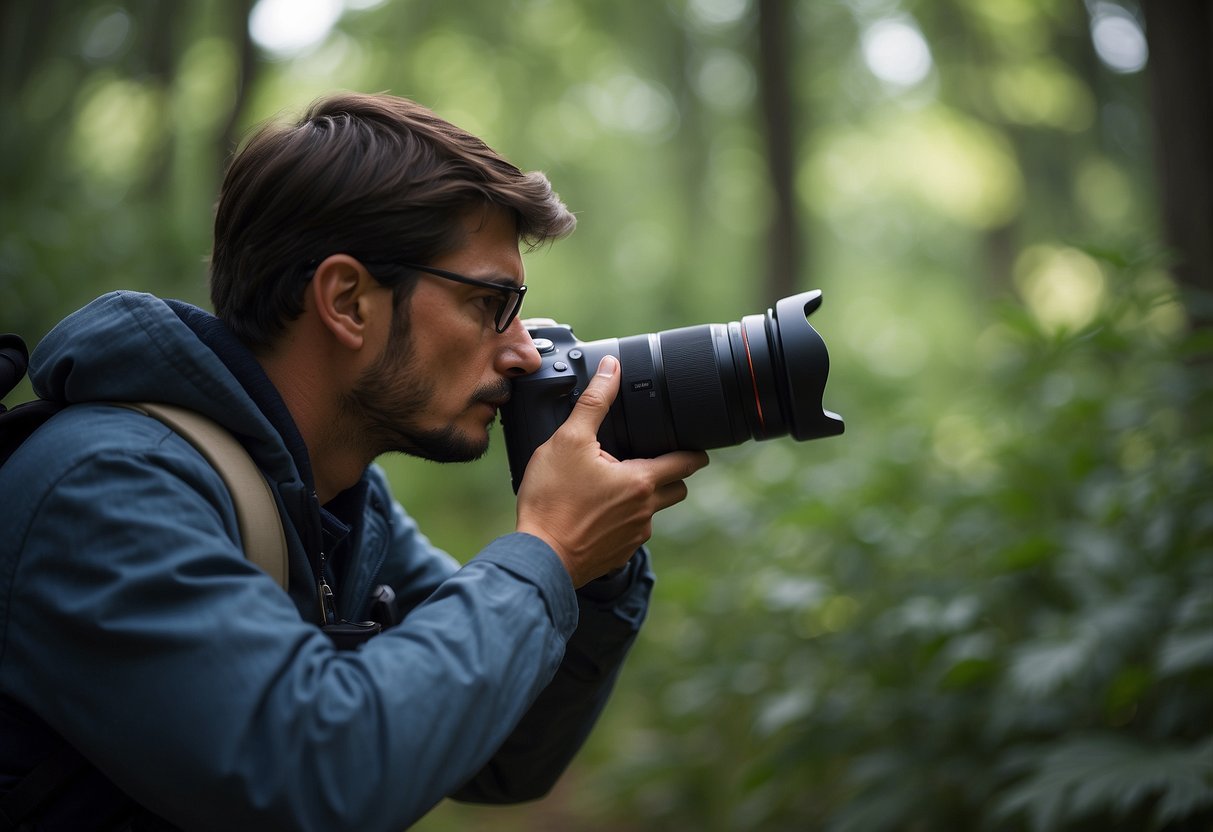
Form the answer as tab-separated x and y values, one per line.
14	359
19	422
21	731
44	780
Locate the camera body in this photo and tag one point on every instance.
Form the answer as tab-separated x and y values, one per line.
693	388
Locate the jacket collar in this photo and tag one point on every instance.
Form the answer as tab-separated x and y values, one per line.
248	372
343	514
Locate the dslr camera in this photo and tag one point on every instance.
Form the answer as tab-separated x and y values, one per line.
693	388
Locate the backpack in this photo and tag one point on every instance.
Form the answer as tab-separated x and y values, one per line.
264	542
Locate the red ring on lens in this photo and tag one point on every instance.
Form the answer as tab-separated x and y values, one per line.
753	379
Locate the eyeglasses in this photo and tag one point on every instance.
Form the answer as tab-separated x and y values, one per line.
511	296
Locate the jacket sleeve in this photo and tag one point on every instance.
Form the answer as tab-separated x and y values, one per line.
135	627
610	613
534	756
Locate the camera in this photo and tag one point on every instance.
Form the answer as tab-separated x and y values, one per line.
693	388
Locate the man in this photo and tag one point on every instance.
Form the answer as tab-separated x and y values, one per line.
366	279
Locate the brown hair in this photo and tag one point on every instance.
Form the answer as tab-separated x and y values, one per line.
377	177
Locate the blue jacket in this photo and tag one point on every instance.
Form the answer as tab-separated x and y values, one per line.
133	625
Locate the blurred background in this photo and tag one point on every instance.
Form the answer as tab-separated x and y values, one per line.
988	605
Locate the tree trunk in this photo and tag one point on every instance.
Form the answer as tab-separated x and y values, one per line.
229	138
1179	34
784	256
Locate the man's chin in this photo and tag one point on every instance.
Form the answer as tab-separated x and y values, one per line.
448	445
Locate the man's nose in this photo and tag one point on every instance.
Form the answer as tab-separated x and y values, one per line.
518	356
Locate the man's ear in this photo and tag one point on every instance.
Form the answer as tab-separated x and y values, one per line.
343	293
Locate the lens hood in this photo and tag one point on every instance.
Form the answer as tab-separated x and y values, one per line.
804	363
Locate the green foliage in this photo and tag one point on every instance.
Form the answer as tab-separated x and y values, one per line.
903	631
1113	778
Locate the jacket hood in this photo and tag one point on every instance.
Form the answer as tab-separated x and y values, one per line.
134	347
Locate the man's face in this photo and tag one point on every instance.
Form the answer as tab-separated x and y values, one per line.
437	383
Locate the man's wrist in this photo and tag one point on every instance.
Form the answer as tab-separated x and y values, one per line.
613	584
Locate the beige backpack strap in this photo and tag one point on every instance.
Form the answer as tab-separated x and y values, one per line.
256	510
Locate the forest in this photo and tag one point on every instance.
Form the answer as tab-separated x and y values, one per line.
988	605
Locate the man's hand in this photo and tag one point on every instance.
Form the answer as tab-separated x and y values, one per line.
593	509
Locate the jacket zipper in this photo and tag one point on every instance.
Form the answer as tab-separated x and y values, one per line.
324	593
328	607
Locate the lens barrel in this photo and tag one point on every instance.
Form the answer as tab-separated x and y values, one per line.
717	385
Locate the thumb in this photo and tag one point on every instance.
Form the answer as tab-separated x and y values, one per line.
595	401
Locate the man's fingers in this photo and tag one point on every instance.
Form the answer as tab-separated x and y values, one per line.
671	493
668	472
595	401
677	465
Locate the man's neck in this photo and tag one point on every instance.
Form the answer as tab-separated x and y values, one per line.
337	461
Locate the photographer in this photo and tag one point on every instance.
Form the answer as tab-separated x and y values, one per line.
366	279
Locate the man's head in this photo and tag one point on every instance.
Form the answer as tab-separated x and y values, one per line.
376	177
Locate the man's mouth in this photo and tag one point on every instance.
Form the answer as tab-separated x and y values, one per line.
496	404
495	398
493	405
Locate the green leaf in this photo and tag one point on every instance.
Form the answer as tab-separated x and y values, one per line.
1110	776
1182	652
1039	669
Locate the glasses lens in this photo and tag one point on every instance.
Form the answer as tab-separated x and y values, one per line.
511	303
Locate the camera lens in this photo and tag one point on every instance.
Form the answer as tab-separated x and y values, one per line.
717	385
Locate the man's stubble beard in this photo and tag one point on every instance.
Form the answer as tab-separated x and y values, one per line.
388	400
